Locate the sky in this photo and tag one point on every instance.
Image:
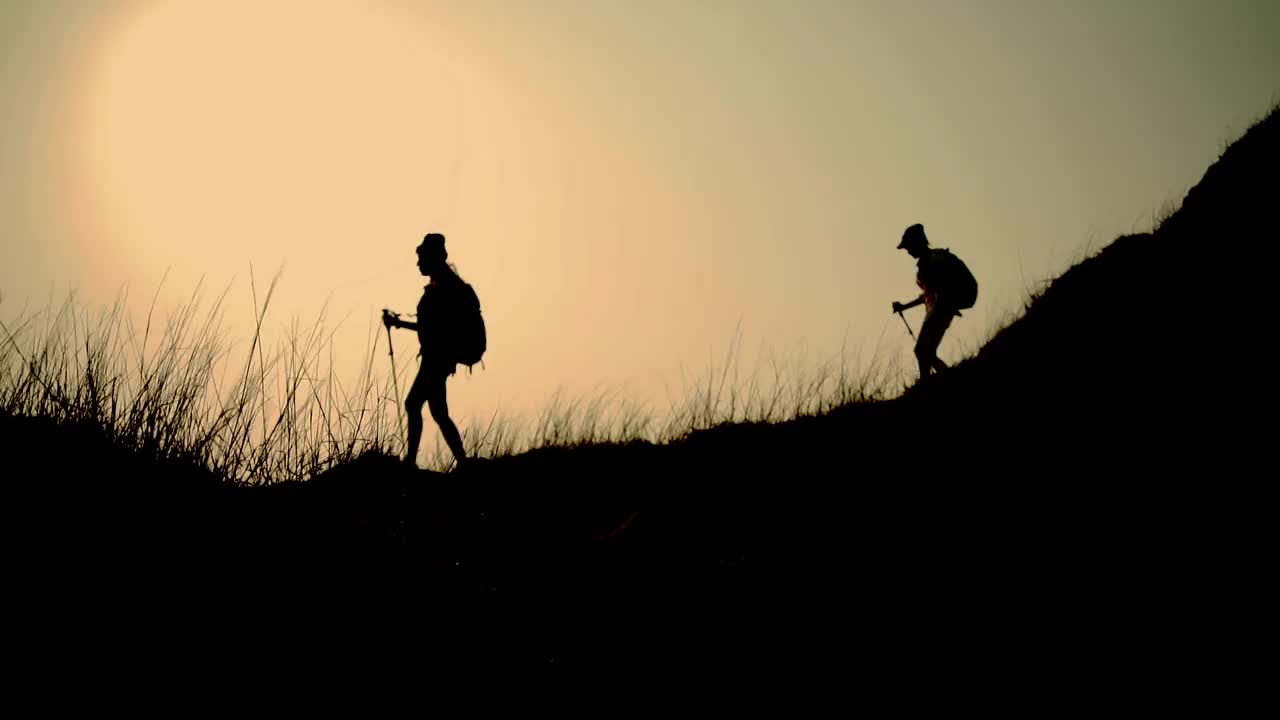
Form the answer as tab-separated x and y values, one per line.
623	183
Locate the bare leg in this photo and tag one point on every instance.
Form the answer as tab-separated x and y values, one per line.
439	406
413	406
924	367
931	331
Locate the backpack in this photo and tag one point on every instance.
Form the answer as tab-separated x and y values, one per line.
959	286
470	338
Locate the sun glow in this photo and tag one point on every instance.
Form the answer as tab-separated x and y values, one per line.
219	132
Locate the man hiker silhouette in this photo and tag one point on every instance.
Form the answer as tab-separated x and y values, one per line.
447	316
947	288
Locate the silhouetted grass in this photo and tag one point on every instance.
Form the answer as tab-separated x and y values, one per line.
173	389
178	389
775	389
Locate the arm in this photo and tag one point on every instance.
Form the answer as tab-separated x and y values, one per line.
899	307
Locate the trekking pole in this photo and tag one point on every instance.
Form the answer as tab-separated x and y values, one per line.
904	322
395	383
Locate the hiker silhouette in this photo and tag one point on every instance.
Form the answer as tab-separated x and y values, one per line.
947	288
446	334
